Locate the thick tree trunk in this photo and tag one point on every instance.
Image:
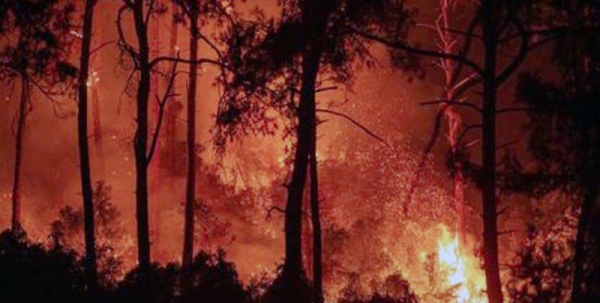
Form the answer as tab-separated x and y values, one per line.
315	212
490	228
190	192
293	213
141	141
16	226
84	153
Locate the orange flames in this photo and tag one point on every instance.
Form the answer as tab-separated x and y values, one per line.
460	269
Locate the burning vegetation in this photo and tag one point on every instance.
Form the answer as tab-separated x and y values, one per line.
351	151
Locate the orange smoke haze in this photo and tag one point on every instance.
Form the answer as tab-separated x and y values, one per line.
365	183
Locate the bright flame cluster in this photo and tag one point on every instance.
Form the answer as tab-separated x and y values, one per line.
461	269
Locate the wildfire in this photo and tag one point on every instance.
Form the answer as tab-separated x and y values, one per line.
460	269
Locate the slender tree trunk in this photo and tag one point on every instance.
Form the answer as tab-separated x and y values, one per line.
587	205
155	175
578	291
16	190
490	228
315	212
141	141
448	43
190	192
84	153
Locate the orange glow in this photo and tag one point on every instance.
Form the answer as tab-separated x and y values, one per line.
460	269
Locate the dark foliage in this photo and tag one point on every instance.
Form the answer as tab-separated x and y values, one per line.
30	273
284	285
394	289
213	279
33	273
39	48
543	268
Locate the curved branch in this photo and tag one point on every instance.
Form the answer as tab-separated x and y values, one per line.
356	123
418	51
161	103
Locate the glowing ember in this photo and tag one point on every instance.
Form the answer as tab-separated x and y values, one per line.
461	269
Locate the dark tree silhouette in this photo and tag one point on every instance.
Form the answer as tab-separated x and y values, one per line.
506	26
145	143
82	136
37	39
313	38
564	129
193	12
197	13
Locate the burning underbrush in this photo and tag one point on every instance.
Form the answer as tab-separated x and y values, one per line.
379	239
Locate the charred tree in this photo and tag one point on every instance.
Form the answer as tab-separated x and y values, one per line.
488	151
315	216
449	43
497	25
313	38
36	39
16	226
145	144
82	138
190	192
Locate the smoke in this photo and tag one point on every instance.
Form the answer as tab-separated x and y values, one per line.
364	182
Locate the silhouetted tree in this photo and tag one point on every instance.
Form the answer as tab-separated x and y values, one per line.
499	26
145	145
141	11
313	38
564	129
82	138
197	13
36	50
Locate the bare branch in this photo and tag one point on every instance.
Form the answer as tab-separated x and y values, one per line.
423	52
102	45
158	60
161	109
356	123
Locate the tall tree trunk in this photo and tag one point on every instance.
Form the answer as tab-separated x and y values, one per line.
578	291
448	44
16	226
141	141
490	228
190	192
315	212
292	268
155	178
84	153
